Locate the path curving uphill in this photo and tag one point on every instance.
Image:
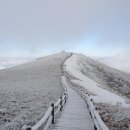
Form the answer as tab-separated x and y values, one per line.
75	115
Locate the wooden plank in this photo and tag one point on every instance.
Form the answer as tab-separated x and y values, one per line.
75	114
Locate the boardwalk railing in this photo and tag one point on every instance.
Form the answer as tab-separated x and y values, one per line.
51	115
98	122
54	110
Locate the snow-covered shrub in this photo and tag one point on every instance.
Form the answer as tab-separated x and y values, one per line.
115	117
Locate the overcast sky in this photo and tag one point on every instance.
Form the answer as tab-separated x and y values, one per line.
40	27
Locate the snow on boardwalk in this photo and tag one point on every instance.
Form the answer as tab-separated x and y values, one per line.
75	115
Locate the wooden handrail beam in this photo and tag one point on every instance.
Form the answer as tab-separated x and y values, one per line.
44	123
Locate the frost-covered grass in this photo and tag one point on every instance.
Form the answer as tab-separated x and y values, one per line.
105	85
116	117
75	66
107	77
26	91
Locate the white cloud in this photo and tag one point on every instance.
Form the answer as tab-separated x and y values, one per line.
120	61
54	25
10	62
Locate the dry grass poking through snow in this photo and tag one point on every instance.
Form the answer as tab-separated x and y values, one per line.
116	117
26	91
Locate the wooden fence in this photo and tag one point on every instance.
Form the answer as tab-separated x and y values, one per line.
98	122
53	111
51	115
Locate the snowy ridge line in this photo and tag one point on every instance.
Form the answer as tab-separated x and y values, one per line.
98	122
53	111
63	73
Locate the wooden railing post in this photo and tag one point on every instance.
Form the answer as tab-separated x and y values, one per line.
81	94
26	127
53	113
65	97
61	104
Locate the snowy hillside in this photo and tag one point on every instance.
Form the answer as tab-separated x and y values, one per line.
104	84
26	91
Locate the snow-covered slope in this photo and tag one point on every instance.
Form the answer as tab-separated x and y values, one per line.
103	82
108	87
26	91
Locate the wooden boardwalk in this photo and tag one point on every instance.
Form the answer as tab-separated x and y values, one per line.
75	114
